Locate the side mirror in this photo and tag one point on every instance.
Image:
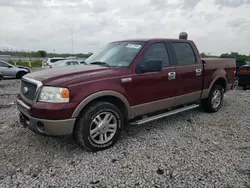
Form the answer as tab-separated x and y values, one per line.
150	66
9	66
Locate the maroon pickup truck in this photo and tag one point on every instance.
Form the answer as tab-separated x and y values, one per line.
127	82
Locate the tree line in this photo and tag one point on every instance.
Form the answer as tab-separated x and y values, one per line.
235	55
41	53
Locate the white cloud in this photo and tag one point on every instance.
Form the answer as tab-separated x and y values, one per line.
216	26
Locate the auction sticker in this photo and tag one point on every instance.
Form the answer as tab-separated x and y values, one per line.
136	46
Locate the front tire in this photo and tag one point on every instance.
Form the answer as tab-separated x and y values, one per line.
215	99
99	126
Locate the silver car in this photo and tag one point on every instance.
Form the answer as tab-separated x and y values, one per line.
11	71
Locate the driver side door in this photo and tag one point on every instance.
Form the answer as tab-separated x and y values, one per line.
151	90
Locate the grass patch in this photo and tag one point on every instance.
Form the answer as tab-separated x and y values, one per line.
27	64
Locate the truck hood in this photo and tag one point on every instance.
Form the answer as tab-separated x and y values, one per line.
60	75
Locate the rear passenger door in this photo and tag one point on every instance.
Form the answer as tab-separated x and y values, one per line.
189	72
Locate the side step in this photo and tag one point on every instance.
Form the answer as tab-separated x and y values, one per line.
159	116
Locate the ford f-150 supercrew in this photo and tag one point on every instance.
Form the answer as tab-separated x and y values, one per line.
127	82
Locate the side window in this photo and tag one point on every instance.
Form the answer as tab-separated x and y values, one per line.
55	60
184	53
156	51
72	63
2	64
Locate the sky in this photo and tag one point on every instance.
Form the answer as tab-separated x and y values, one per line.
216	26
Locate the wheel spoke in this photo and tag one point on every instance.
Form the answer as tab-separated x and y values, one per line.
105	136
113	126
94	132
101	138
108	117
97	120
111	130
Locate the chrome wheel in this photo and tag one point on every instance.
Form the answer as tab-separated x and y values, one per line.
216	99
103	127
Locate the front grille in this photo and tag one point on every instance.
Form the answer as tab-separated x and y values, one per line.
28	90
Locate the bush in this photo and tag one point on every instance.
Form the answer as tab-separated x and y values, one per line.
26	64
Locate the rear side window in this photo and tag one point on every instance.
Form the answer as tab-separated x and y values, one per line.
156	51
184	53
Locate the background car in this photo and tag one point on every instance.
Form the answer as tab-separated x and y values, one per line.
238	65
63	63
244	76
50	61
10	71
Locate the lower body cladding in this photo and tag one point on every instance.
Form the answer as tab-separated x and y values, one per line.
42	126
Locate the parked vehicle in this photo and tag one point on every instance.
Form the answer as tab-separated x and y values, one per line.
11	71
244	76
47	62
63	63
238	65
1	75
128	82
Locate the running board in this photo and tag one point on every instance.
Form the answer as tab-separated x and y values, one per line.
159	116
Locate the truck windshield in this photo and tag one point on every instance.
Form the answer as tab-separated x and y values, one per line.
116	54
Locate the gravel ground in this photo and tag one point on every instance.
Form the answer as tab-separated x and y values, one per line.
191	149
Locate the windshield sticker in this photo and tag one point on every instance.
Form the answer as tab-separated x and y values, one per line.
136	46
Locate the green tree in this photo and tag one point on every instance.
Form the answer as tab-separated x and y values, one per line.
42	53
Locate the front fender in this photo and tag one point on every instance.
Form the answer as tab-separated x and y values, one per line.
96	95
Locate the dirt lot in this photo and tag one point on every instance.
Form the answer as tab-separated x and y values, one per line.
192	149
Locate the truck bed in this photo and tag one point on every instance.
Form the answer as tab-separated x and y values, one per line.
223	66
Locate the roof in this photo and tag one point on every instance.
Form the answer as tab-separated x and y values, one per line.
152	39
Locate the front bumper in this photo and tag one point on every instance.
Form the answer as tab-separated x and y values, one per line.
43	126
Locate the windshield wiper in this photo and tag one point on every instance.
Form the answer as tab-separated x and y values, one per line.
100	63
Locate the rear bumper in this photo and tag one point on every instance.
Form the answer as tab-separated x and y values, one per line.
43	126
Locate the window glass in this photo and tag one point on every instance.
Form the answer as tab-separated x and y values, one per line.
184	53
156	51
117	54
2	64
55	60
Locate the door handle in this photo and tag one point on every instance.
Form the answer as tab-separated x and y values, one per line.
198	72
171	75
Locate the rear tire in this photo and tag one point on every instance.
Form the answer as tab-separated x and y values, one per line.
19	75
99	126
215	99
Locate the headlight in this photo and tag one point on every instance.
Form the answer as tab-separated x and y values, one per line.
54	95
